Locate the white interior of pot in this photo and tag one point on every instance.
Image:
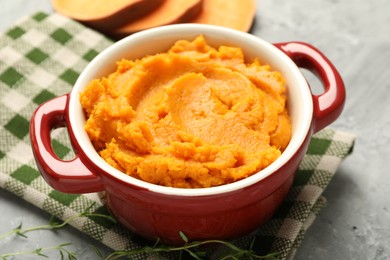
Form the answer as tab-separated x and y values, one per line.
299	105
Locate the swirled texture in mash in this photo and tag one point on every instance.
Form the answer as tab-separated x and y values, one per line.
192	117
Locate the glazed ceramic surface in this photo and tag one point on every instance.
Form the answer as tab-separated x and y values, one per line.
221	212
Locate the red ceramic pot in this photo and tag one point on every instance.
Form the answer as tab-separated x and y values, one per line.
155	211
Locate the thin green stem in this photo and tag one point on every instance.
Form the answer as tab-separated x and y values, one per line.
8	233
53	225
189	247
193	249
41	252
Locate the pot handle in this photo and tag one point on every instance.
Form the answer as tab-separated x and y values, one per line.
67	176
328	105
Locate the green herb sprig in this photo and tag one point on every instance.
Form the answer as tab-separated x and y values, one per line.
193	249
54	224
63	251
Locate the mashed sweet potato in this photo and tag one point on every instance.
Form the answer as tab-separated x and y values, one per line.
192	117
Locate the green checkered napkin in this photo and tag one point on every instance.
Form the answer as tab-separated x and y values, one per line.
40	58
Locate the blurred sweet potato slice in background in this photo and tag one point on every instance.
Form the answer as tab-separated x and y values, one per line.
105	15
169	12
236	14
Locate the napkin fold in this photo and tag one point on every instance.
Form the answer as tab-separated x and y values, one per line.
41	57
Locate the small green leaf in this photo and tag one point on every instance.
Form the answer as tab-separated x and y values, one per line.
183	236
97	251
252	244
64	244
72	256
157	242
62	255
54	221
19	232
194	255
38	251
201	254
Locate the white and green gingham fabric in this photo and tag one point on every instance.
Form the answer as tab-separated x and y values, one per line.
41	57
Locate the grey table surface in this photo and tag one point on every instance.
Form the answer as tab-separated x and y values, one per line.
354	35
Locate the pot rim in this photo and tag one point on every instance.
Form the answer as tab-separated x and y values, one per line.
302	118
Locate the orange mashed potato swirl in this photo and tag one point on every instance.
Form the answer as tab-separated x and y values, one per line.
192	117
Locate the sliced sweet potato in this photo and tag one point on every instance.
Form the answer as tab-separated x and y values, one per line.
105	14
169	12
236	14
